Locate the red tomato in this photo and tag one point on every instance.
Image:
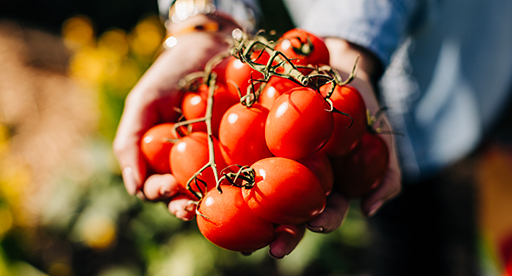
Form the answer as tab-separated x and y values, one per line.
298	124
285	191
156	146
242	134
239	74
195	103
190	154
347	130
220	70
303	48
228	222
360	172
274	88
320	165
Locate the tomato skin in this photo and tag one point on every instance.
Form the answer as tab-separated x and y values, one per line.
190	154
275	87
360	172
320	165
239	74
292	40
194	106
220	70
298	124
285	192
242	134
228	222
347	130
156	146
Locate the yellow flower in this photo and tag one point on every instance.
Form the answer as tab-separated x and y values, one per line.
77	31
147	37
98	231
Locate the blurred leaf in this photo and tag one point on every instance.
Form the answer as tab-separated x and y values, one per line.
302	256
119	271
25	269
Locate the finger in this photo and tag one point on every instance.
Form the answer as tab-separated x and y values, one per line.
126	146
389	188
161	187
182	207
140	194
332	217
287	238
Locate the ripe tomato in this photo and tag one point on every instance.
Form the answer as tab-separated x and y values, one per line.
303	48
242	134
220	70
360	172
285	191
156	146
274	88
347	130
298	124
320	165
228	222
195	103
239	74
190	154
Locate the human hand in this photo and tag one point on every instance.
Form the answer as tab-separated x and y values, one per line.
342	57
152	101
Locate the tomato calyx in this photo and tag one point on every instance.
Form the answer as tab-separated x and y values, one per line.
305	48
244	173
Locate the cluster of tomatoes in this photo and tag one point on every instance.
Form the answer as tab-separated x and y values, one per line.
267	141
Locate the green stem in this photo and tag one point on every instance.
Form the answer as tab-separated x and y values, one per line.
209	112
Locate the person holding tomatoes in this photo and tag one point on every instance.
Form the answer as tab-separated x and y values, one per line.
423	60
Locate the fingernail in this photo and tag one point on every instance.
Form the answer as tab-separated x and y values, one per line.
183	215
140	195
315	228
129	180
165	191
275	257
374	208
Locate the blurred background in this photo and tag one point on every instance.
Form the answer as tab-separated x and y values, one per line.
65	69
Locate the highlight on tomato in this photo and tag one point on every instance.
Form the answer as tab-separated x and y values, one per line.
242	134
274	88
189	155
195	102
239	75
299	124
156	146
303	48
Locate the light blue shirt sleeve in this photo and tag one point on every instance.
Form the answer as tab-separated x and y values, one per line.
377	25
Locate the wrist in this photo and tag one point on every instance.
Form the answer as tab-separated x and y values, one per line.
201	23
218	27
344	54
240	13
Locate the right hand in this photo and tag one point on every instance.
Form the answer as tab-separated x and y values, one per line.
343	55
